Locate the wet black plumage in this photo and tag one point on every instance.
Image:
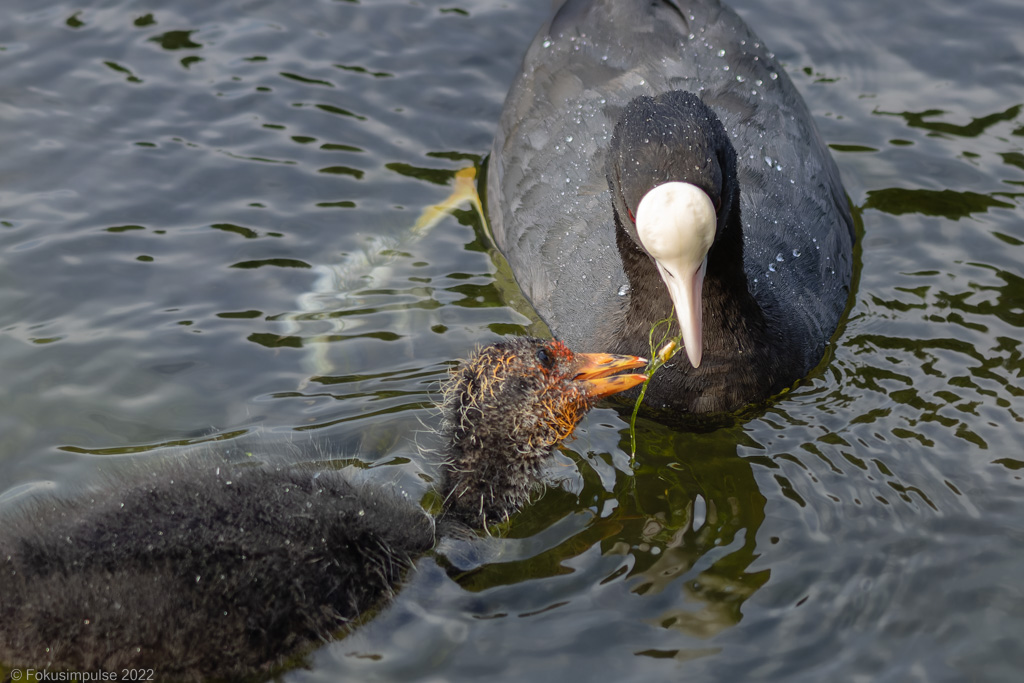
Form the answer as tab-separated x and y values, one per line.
616	97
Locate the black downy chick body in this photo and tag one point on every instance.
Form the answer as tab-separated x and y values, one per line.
201	574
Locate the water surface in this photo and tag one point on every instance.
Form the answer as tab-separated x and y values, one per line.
206	236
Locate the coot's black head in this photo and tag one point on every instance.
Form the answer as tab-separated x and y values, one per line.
673	137
672	174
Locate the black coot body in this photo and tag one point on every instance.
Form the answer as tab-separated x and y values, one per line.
715	111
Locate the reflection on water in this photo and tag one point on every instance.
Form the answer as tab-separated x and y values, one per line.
691	523
206	237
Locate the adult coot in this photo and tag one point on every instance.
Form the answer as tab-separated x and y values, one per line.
652	155
197	574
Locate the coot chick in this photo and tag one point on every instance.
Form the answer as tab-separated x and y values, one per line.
653	157
200	574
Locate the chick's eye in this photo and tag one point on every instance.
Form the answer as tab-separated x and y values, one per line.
544	358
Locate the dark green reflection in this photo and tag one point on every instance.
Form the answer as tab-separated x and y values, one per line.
852	148
247	233
437	176
176	40
452	155
1013	159
361	70
130	77
240	315
1010	464
306	79
477	295
331	109
337	147
688	495
945	203
981	376
277	262
343	170
973	129
280	341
